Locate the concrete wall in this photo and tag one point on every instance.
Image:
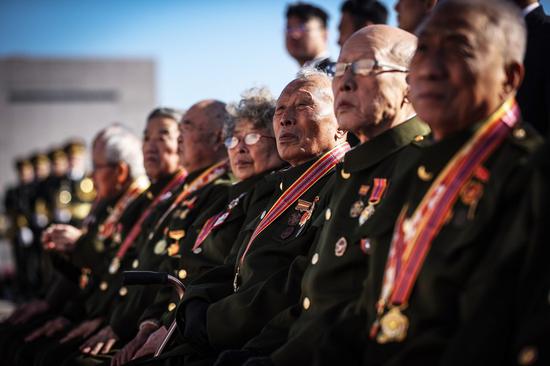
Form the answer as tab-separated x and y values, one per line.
43	102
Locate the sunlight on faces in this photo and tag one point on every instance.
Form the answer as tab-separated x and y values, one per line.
200	133
249	160
160	147
369	104
304	121
458	74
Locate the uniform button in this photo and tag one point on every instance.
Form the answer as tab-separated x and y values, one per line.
171	306
182	274
345	174
315	258
527	356
328	214
519	133
306	303
103	286
135	263
123	291
419	138
424	174
281	186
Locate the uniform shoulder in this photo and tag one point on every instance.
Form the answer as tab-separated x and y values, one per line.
525	137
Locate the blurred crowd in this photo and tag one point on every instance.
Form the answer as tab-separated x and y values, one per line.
387	208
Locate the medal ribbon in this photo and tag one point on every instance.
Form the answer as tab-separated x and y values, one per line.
136	229
136	188
379	187
208	176
315	172
408	250
213	223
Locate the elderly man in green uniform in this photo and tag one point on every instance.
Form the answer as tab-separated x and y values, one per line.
202	154
371	100
460	220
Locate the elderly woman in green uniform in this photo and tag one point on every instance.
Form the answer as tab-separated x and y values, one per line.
252	152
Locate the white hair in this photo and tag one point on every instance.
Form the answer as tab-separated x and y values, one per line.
122	145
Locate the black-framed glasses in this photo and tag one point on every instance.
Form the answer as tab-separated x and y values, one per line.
249	139
364	67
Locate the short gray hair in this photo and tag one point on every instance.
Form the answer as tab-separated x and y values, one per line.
257	105
504	20
122	145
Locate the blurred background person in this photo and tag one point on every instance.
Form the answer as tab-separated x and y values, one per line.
410	13
356	14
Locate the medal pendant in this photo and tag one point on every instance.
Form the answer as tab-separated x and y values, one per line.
366	214
115	265
393	326
173	249
340	247
356	209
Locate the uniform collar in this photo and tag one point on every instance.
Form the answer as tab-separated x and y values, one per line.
373	151
286	177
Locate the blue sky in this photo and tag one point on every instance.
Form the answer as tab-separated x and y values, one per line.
203	49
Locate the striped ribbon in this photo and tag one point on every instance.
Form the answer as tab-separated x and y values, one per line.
409	249
315	172
136	229
379	186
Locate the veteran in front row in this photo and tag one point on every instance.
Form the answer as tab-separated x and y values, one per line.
459	227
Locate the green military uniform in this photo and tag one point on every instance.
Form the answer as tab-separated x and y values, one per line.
338	265
270	275
479	235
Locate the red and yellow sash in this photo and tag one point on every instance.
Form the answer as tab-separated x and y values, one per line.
107	228
136	229
311	176
413	237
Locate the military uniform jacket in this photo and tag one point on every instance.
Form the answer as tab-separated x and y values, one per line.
338	265
212	252
153	246
478	239
271	272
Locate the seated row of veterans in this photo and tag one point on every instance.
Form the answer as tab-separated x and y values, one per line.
421	245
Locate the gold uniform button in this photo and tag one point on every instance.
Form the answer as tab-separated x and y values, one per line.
424	174
418	138
281	186
182	274
328	214
123	291
135	264
306	303
345	174
527	356
519	133
103	286
315	258
171	306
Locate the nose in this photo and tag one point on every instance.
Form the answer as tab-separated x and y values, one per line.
347	81
241	146
288	118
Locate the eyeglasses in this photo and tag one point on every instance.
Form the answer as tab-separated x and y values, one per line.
364	67
249	139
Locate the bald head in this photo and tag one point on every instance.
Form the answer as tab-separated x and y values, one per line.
368	101
200	143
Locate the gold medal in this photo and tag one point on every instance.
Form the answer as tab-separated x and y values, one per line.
356	209
173	249
160	247
366	214
115	265
176	234
393	326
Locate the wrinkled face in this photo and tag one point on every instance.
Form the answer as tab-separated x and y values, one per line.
410	13
160	147
104	174
364	102
457	75
250	160
304	41
196	136
304	121
345	28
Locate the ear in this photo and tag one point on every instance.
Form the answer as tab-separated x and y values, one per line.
340	134
122	172
515	72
